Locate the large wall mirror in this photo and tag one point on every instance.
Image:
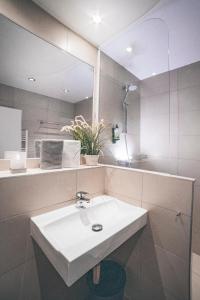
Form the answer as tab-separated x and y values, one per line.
42	88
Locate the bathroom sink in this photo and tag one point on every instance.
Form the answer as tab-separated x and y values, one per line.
67	238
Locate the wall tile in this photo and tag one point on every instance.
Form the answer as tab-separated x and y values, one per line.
145	290
170	296
91	180
171	193
189	123
6	95
155	145
157	125
34	114
35	192
174	273
196	241
148	258
189	98
174	106
130	200
10	284
155	85
196	264
173	80
30	289
84	108
13	243
174	124
189	76
159	164
52	285
124	182
155	105
24	99
196	209
189	147
168	231
190	168
21	283
111	101
4	164
195	286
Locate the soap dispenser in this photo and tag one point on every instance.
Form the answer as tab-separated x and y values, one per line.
115	134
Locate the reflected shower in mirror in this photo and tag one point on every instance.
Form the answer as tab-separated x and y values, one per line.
42	88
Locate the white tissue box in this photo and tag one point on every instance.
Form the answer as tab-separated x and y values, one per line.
71	154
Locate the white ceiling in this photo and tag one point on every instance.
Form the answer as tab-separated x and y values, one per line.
77	15
148	36
149	39
24	55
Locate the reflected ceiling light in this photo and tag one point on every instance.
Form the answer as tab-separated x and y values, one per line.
129	49
31	79
153	74
96	19
87	97
66	91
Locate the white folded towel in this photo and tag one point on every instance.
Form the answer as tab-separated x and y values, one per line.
71	154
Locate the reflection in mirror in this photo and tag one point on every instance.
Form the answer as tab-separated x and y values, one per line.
42	88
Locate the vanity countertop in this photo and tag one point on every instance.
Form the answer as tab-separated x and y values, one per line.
37	171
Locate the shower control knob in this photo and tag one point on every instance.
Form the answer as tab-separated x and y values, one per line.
178	214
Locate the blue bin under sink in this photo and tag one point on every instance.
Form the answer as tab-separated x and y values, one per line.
112	282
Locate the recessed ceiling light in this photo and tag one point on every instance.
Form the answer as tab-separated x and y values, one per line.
153	74
87	97
129	49
66	91
31	79
96	19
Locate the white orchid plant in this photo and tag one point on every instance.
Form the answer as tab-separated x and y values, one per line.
88	135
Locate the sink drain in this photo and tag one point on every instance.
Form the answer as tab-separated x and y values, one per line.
97	227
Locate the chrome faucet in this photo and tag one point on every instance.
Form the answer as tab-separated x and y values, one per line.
81	199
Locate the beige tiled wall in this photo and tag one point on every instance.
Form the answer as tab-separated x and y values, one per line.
157	260
84	108
124	183
24	271
195	276
170	134
113	78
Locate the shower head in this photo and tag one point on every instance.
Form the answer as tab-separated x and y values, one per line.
130	87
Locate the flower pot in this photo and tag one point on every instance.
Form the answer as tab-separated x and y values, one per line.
82	159
91	160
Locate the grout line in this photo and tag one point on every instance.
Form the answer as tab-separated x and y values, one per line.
17	266
185	261
142	191
29	212
166	208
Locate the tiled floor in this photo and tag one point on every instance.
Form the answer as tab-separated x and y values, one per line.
195	276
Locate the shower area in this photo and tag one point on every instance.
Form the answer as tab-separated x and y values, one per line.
133	97
157	109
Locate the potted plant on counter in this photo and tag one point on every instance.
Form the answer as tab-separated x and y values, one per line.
89	136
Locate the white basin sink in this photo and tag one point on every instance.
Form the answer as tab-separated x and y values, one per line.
66	237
